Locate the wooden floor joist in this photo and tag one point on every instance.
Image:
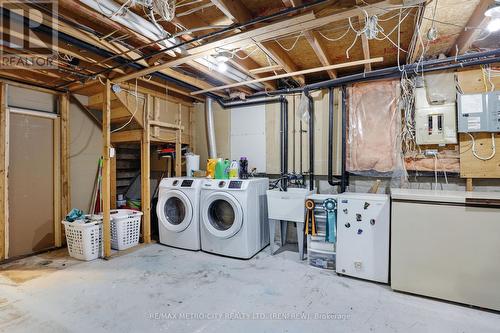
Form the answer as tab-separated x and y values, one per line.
305	71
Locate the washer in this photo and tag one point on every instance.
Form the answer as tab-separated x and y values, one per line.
178	212
234	217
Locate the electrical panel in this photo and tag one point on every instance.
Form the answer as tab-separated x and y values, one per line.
363	236
479	112
434	124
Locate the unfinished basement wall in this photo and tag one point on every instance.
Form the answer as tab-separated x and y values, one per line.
298	145
85	150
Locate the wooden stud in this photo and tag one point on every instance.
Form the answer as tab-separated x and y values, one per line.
178	145
145	172
106	195
4	173
57	174
65	163
469	185
305	71
156	115
126	136
112	182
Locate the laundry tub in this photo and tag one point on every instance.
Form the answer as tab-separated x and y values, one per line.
287	206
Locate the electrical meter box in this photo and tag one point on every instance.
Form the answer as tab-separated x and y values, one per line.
434	123
479	112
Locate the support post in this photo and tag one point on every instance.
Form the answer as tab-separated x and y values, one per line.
65	166
106	140
145	172
4	170
469	186
178	144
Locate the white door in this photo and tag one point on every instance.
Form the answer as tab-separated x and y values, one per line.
175	211
222	215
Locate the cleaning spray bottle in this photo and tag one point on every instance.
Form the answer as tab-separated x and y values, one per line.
233	170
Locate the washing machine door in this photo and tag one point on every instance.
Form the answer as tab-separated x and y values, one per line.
175	211
222	214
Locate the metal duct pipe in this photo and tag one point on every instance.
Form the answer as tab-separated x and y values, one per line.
331	100
311	139
209	118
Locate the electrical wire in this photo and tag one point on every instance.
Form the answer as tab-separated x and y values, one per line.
135	111
493	148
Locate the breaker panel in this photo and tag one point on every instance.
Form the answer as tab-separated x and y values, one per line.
479	112
434	123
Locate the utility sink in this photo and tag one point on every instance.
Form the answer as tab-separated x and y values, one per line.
287	206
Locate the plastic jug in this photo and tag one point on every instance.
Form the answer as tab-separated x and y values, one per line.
233	170
222	169
243	168
211	163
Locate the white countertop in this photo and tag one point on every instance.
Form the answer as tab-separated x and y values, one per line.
440	195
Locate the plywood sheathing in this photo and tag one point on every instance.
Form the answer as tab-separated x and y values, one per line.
450	20
470	167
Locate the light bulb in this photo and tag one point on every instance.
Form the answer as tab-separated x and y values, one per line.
494	25
222	67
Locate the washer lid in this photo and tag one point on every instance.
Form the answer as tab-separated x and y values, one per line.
174	211
222	214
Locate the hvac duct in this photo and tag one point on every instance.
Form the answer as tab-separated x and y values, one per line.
209	116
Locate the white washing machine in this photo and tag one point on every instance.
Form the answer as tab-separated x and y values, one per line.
233	217
178	212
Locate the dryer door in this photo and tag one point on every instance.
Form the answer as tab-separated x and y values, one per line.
222	214
174	211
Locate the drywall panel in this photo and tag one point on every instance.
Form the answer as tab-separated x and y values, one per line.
85	150
248	135
31	99
31	184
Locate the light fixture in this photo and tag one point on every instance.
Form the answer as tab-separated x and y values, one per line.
223	57
222	67
494	10
493	25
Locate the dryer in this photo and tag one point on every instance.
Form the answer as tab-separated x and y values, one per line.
233	216
178	212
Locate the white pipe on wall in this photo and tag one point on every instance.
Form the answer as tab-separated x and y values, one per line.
209	118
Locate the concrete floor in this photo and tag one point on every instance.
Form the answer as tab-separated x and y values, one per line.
157	288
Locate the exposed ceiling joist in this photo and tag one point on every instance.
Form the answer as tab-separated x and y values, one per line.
267	69
235	10
302	72
292	25
238	13
468	36
319	49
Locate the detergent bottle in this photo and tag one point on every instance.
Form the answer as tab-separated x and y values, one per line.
211	164
233	170
220	169
227	165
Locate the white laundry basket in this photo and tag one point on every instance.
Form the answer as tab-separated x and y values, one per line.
125	228
84	240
